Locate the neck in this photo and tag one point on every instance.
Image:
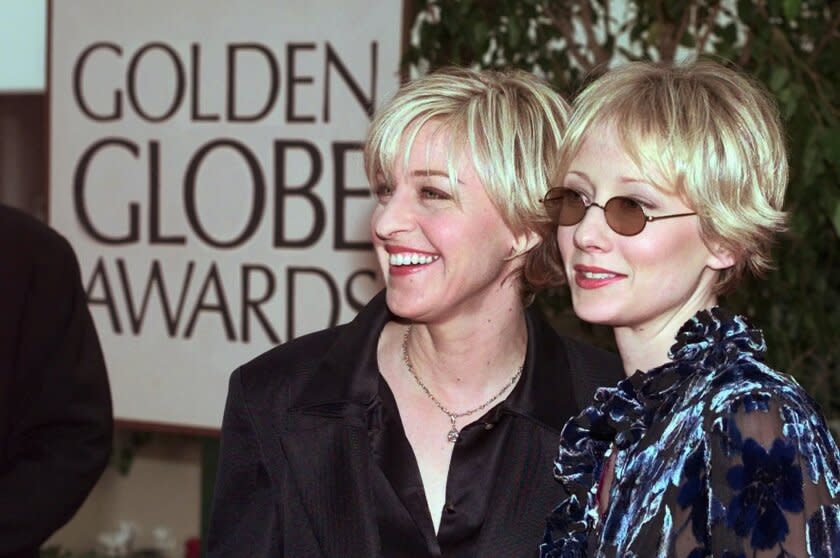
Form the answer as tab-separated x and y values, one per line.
468	361
646	346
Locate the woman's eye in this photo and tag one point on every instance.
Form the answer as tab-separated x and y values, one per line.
575	196
643	203
576	191
631	202
433	194
628	203
383	191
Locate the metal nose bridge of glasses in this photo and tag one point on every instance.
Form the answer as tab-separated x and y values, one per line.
623	215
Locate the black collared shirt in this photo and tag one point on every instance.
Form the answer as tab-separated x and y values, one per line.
473	484
314	461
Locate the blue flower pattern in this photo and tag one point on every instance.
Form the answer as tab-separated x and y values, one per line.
765	486
687	480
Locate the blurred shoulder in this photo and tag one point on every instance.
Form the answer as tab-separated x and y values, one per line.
577	352
323	363
25	240
591	351
279	365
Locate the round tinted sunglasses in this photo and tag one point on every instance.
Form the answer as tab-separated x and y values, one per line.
624	215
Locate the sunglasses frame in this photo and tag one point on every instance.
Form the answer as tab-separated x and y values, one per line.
647	218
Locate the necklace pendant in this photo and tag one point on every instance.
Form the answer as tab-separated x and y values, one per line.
452	435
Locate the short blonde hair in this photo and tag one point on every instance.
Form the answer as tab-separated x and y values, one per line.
712	134
512	124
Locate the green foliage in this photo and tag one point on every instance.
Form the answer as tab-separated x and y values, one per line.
792	46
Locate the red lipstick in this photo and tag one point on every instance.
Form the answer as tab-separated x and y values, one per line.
590	277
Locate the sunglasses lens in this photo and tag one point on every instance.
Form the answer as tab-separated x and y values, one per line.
625	216
564	206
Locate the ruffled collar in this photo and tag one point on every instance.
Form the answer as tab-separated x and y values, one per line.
619	417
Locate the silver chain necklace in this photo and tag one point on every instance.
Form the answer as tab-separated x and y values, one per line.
453	433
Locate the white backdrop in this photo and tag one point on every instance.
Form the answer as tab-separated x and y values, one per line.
205	163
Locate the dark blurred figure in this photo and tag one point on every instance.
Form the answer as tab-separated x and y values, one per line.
55	404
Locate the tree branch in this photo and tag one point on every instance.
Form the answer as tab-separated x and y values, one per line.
710	25
676	39
803	67
832	34
746	53
563	24
601	56
607	32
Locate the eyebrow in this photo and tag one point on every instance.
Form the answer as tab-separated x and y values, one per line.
581	174
633	179
621	180
433	172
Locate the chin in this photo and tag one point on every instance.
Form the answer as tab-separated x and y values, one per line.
395	302
599	313
407	307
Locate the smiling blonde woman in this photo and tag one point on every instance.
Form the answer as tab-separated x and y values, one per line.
420	429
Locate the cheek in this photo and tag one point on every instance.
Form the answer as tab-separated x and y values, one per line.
565	241
675	253
454	228
644	251
648	255
374	219
495	238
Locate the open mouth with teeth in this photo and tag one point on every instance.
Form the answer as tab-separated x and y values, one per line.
593	275
587	277
410	258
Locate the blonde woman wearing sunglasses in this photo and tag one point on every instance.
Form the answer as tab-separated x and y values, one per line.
672	182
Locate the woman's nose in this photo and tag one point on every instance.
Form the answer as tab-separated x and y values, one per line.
394	215
593	232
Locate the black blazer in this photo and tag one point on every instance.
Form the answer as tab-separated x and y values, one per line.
294	476
55	404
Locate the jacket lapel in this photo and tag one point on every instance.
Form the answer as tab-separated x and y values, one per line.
547	396
326	442
524	493
329	462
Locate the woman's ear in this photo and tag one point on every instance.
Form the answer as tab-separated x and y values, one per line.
523	243
720	257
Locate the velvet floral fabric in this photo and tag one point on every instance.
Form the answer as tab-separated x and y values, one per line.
715	454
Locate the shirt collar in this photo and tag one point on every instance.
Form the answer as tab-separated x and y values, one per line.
348	374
